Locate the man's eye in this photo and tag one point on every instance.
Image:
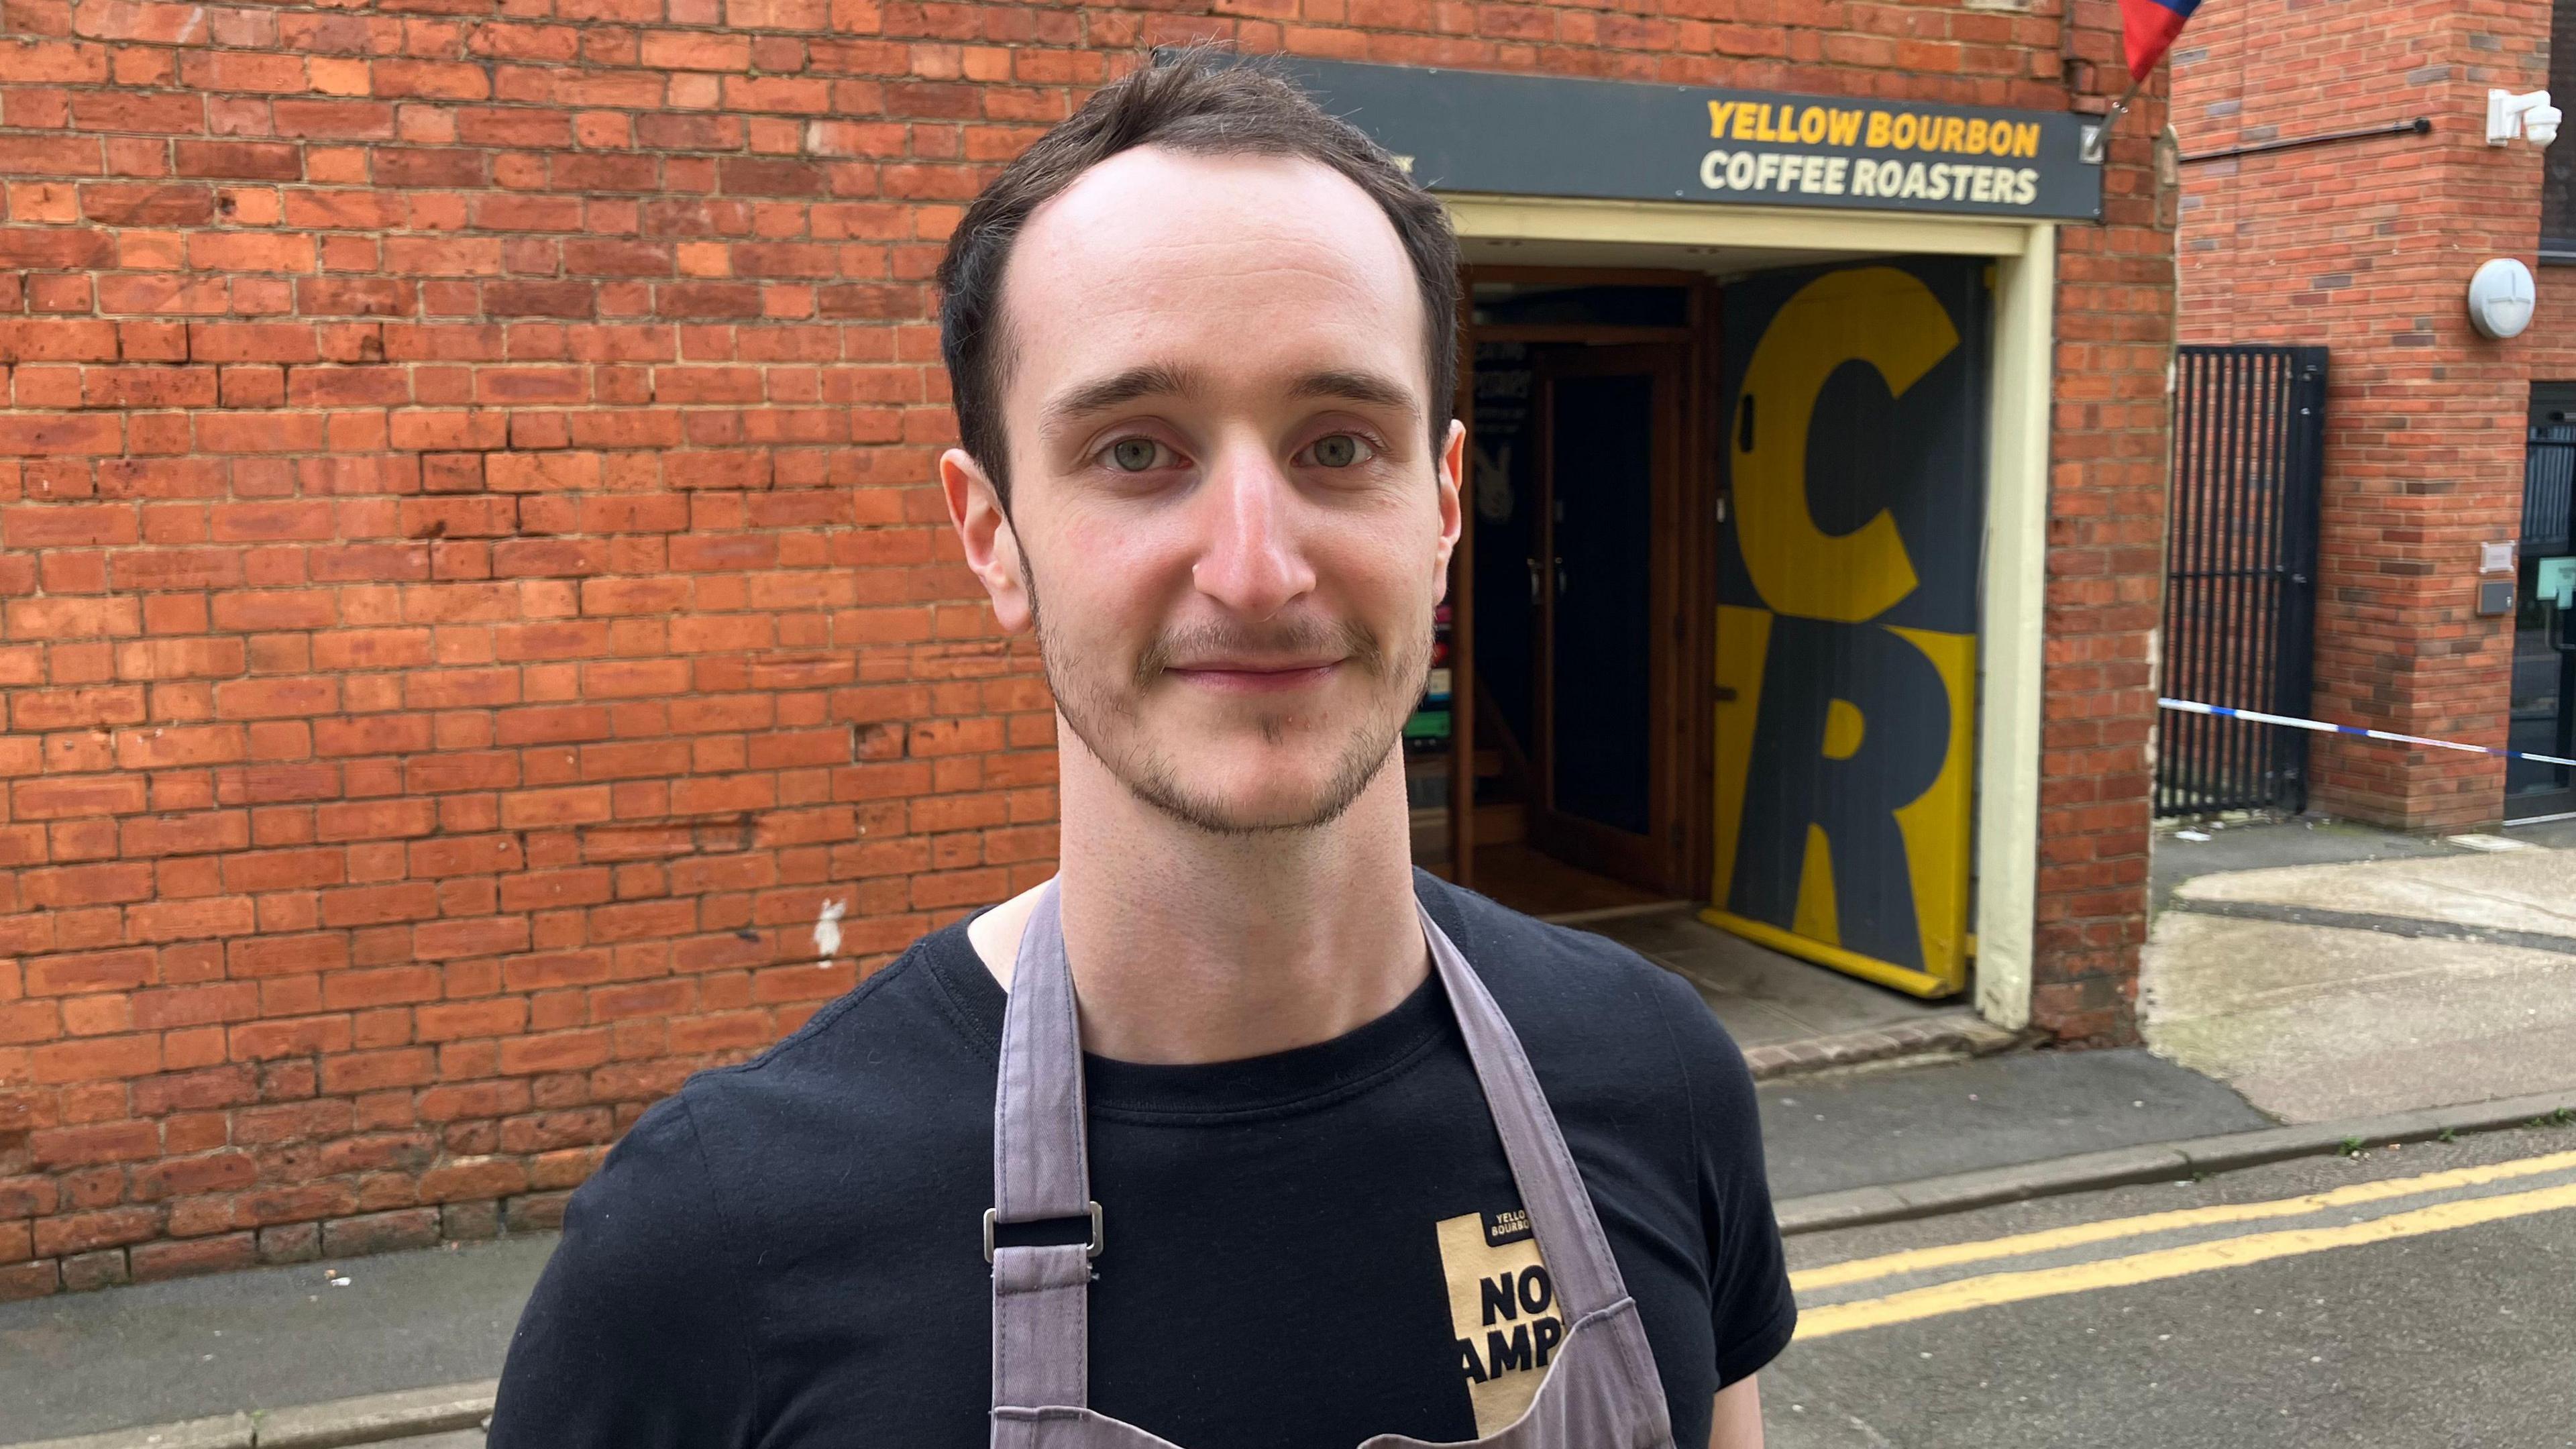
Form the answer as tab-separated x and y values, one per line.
1340	450
1134	455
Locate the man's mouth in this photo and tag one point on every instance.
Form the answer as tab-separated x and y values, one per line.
1254	676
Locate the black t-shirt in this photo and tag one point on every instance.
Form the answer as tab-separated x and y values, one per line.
1304	1249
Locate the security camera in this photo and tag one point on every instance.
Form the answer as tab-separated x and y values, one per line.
2529	115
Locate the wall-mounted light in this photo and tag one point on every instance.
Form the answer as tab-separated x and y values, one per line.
2529	114
2500	298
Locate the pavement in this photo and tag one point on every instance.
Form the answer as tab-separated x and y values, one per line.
2300	972
2321	970
2264	844
2310	840
263	1339
1831	1133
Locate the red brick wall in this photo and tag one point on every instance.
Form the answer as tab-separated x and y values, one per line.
2550	345
2115	333
472	589
2366	247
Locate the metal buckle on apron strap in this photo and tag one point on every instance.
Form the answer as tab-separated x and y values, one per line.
1099	1239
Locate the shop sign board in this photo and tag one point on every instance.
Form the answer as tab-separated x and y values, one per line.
1530	135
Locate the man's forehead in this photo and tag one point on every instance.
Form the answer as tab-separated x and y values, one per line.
1180	243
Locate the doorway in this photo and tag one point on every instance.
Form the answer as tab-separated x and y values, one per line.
1581	618
1716	639
1602	574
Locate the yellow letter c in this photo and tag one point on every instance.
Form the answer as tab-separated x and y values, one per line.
1878	315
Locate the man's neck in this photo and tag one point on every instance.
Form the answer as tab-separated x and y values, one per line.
1191	947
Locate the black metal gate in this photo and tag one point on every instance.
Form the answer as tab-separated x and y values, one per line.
2544	644
2240	575
2549	491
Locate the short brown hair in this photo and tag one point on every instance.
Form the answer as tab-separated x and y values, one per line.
1203	102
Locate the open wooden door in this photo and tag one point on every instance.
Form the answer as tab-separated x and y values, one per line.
1847	617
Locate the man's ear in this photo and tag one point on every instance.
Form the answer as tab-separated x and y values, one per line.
992	548
1452	473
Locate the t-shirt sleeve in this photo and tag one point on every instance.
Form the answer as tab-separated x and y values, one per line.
1753	1310
636	1336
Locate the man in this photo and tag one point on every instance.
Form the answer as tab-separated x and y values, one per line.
1297	1184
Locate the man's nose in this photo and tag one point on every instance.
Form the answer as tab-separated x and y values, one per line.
1251	558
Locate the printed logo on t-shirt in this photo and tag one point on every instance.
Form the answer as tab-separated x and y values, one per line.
1504	1311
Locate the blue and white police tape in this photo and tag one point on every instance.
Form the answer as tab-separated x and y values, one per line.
2320	726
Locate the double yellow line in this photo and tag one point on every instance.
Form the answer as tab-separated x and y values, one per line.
1989	1289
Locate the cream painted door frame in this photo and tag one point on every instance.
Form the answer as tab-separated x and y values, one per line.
1702	237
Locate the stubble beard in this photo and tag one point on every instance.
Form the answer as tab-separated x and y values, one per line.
1106	715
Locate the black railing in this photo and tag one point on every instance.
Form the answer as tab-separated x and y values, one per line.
2548	480
2240	575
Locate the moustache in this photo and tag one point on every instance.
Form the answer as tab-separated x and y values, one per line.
1302	637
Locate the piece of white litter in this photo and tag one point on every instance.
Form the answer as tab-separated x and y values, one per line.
2490	843
827	932
2191	835
339	1282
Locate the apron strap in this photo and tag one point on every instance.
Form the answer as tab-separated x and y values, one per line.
1570	1240
1042	1327
1041	1295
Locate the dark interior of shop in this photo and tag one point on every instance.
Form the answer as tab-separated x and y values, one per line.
1576	406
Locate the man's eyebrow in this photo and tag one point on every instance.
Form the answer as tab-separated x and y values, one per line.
1151	380
1373	389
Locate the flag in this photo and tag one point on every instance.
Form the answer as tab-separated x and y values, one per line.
2148	28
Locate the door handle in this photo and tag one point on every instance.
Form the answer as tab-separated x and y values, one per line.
1560	578
1534	580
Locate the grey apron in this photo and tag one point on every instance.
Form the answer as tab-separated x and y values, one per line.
1601	1390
